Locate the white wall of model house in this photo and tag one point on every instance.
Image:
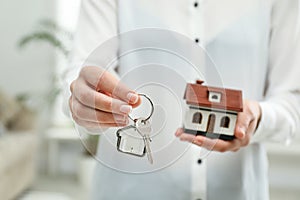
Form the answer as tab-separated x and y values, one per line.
205	118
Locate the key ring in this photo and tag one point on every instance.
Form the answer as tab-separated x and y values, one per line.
152	109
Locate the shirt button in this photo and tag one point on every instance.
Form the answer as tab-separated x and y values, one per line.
199	161
196	4
197	40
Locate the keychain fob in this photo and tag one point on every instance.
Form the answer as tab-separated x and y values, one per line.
128	143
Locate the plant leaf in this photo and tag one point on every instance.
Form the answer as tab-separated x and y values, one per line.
46	37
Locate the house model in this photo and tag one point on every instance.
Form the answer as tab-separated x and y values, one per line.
211	111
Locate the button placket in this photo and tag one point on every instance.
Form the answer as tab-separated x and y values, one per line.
196	18
199	166
199	161
198	175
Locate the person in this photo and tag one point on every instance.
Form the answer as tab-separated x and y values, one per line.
255	46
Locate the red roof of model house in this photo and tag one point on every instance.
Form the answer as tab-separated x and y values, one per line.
199	95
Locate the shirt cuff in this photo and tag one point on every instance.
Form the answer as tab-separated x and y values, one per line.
260	134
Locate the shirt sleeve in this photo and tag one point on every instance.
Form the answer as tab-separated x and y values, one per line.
281	107
96	28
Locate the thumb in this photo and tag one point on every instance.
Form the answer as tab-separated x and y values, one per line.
103	81
242	125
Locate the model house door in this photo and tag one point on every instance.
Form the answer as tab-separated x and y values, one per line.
211	123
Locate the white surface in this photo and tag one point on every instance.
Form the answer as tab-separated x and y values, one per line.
55	137
67	134
66	16
86	171
62	187
284	165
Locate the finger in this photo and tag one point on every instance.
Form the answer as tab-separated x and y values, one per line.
139	101
93	99
197	142
207	143
216	144
88	114
251	128
242	124
236	149
187	137
102	80
179	132
95	126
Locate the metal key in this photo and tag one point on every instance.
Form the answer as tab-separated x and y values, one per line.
144	128
135	139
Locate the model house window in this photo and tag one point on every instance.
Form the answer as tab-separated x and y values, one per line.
225	122
197	118
214	97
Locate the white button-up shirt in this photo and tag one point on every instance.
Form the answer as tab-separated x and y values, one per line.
254	46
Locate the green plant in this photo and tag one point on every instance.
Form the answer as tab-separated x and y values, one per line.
47	31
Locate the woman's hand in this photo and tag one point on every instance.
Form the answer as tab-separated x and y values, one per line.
99	100
247	122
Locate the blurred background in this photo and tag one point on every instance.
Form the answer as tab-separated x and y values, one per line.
41	155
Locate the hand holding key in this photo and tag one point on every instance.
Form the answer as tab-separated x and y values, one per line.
99	100
135	139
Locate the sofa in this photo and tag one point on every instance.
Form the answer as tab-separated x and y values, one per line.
17	162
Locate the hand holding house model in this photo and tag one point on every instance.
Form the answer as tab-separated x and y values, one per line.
212	111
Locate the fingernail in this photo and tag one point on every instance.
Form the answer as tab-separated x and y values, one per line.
120	118
198	142
242	135
126	109
241	132
183	138
178	133
132	97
